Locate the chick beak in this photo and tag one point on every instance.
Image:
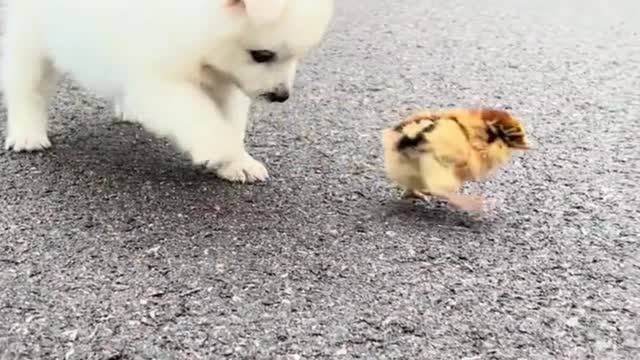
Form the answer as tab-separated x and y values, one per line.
522	146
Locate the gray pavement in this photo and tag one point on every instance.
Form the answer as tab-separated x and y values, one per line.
113	247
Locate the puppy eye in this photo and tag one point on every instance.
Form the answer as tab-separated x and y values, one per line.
262	56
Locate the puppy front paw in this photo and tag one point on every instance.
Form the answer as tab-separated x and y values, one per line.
27	138
121	114
244	169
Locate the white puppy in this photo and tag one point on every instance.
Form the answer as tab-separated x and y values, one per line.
185	69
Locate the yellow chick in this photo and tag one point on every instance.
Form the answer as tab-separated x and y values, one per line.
435	153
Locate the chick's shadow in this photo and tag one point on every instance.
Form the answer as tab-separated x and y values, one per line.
434	213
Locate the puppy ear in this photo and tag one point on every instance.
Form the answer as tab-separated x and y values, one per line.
260	12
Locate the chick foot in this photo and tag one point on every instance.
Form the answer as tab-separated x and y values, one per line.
415	194
466	202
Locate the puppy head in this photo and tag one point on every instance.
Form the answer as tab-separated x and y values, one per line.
268	40
259	12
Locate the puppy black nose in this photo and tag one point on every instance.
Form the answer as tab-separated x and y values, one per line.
278	96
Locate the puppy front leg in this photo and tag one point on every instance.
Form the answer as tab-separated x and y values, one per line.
235	107
28	77
120	114
184	113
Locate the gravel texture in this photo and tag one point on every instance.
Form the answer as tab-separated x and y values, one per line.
113	247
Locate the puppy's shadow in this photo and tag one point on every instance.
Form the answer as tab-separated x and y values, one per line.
132	168
131	156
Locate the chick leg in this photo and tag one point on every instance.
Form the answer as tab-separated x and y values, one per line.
443	182
465	202
415	194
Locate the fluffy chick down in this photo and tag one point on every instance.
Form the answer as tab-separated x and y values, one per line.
435	153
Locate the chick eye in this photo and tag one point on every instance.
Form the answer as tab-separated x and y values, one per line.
262	56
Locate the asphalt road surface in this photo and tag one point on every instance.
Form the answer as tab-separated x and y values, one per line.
113	247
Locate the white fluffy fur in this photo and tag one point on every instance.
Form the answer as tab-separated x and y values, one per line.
179	67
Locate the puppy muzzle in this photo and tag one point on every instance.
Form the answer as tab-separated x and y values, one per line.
278	95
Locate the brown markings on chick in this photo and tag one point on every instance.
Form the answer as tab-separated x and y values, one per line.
464	130
417	118
410	142
501	125
418	139
488	115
